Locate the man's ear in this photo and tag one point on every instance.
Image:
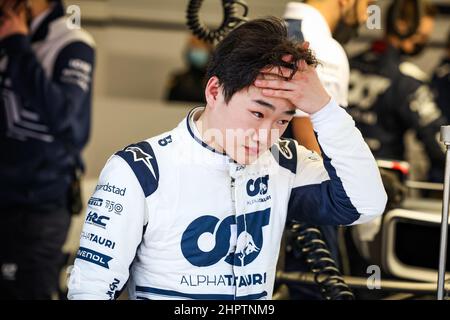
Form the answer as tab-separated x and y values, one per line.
212	91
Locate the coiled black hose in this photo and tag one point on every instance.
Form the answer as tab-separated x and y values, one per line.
308	241
230	19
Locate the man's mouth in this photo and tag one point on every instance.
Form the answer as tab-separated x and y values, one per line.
252	150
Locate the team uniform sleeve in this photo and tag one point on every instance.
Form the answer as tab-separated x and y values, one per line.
440	84
115	221
420	112
342	188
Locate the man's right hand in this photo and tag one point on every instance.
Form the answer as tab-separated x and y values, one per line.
304	90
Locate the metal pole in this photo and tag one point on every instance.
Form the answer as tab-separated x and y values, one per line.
445	138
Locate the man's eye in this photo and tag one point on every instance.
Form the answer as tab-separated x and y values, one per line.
258	114
283	122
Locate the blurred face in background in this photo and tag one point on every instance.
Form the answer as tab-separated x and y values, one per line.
32	8
355	12
197	53
353	15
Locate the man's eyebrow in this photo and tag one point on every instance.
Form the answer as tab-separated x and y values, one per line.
265	104
271	107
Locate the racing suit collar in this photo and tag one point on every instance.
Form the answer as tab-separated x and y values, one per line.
208	155
193	130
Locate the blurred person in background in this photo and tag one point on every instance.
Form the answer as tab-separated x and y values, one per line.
441	82
46	67
326	25
389	95
189	85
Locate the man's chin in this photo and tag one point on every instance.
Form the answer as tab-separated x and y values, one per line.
246	159
247	156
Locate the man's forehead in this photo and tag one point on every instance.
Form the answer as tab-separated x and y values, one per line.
256	96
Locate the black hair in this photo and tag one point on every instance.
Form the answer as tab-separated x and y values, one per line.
254	45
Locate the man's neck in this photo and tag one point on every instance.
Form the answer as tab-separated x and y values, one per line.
329	10
204	125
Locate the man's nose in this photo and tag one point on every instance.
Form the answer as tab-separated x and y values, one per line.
263	133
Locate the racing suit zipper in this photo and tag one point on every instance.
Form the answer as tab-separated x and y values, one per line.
233	204
233	195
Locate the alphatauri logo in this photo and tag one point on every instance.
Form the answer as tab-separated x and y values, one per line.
258	186
248	245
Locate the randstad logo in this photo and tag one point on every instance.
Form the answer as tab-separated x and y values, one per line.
258	186
248	245
112	188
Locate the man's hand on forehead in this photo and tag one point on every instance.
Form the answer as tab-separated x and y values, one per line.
301	87
270	76
289	68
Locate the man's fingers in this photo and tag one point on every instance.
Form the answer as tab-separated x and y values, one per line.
269	70
305	45
276	93
278	72
302	65
287	58
275	84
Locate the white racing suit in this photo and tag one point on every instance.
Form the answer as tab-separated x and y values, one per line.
178	220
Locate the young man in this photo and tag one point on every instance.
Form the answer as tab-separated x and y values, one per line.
198	212
46	70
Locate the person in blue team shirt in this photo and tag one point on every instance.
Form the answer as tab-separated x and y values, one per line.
441	82
46	68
